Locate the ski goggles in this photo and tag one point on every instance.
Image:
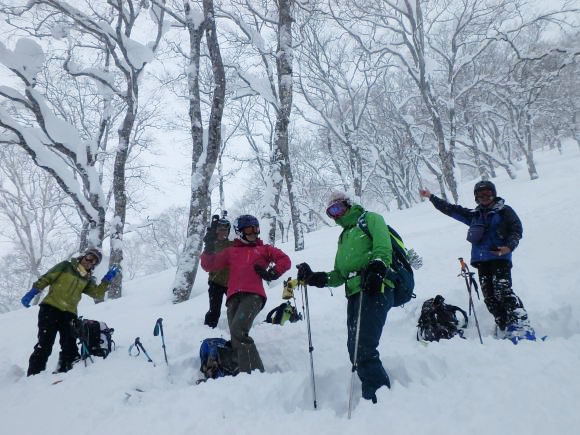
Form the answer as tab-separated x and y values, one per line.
484	194
337	210
252	229
91	259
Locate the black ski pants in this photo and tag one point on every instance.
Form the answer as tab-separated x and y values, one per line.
374	309
50	321
216	295
495	279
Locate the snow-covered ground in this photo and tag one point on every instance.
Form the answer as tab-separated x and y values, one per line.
457	386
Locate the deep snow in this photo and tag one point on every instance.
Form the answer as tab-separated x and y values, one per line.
457	386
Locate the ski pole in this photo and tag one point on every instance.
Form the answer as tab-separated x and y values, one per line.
137	345
310	347
81	333
159	328
302	296
354	360
85	354
469	280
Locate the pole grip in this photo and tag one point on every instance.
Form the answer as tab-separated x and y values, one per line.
463	265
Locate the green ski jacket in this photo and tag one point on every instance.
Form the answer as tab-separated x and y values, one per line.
67	286
356	249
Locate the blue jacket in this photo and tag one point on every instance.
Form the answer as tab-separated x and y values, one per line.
499	224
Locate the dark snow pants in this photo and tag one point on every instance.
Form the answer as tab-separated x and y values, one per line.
242	310
216	295
496	285
374	310
50	321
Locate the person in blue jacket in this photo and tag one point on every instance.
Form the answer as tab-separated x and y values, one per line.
494	233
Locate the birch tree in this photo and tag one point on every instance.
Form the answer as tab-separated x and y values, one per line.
271	78
112	26
336	80
51	142
199	20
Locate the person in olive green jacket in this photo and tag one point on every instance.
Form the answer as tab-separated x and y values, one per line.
217	234
360	263
67	282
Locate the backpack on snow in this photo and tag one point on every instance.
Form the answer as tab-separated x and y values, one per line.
95	338
438	320
400	271
216	356
282	313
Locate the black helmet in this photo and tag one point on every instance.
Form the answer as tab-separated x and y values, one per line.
224	223
484	185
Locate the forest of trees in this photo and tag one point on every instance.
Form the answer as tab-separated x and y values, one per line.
376	97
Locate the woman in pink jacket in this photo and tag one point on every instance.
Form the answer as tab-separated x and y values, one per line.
249	261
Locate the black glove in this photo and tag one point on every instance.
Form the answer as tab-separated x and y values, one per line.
304	272
373	276
214	222
317	279
266	275
209	239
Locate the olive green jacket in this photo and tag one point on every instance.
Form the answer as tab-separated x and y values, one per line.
356	249
67	286
221	276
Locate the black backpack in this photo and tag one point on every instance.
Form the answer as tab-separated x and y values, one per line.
95	338
438	320
400	271
282	313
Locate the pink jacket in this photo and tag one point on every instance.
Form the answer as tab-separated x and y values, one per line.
240	259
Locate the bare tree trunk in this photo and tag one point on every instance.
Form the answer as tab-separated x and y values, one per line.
276	180
201	171
530	151
438	175
285	86
576	128
332	154
479	163
222	199
445	155
119	190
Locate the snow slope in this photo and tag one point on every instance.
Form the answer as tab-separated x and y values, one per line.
448	387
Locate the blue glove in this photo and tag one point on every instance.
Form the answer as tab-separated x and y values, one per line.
27	298
112	273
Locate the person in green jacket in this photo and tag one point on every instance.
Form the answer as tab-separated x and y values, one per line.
361	265
217	235
67	281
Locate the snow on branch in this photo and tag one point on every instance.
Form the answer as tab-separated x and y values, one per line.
105	79
36	144
25	61
14	95
53	143
256	85
133	55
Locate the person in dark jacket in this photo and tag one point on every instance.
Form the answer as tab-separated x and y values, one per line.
249	261
360	264
217	235
494	233
68	280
